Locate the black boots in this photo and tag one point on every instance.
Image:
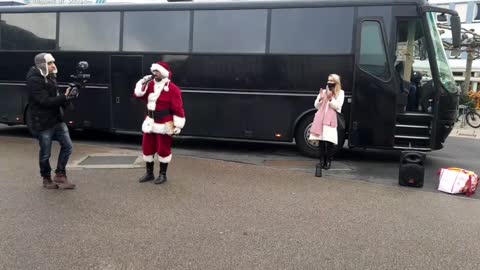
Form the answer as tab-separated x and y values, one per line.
149	173
325	153
162	178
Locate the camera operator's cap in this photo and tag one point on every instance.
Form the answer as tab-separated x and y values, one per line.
41	62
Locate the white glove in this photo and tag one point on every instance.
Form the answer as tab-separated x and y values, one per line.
176	130
146	78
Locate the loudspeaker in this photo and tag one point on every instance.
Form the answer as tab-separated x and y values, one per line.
412	170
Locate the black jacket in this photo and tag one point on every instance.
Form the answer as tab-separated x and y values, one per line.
44	101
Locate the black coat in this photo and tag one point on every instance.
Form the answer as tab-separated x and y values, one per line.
45	103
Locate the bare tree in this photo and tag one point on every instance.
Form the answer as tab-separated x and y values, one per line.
470	45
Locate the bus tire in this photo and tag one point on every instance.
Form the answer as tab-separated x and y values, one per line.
305	147
310	148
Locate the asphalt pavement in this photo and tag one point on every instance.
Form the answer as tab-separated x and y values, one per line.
219	214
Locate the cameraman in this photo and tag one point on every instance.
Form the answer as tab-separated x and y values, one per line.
45	119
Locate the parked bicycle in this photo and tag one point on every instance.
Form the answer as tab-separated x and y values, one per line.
468	114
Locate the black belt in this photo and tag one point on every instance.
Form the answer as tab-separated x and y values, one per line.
158	115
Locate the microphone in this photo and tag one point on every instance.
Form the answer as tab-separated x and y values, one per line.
149	80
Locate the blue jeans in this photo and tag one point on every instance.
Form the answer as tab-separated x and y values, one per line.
58	133
412	103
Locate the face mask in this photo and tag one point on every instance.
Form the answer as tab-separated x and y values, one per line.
331	85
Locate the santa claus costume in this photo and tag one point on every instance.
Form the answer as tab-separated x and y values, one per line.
164	118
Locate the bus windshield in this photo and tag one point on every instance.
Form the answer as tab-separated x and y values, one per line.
446	76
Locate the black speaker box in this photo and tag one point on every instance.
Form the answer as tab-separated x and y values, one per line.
412	170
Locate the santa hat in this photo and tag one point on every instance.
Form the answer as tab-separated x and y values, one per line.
41	63
164	70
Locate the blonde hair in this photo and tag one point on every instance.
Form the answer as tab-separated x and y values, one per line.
338	84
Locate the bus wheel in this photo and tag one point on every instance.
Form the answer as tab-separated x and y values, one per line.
305	146
310	148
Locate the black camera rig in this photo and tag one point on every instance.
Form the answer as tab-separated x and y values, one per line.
79	80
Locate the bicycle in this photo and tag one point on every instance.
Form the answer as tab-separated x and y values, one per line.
470	115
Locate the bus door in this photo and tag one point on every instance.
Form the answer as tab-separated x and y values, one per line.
127	111
372	121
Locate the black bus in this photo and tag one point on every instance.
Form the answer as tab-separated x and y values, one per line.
248	70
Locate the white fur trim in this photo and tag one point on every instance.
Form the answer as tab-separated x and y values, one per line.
41	72
164	72
139	89
166	159
49	58
178	121
157	90
164	84
149	126
148	158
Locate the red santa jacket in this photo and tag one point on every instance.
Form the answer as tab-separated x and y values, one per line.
161	96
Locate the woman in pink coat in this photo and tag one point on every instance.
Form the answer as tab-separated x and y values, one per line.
324	127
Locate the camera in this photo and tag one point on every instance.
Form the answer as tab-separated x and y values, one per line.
79	80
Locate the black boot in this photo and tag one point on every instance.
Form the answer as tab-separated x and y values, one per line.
328	163
327	158
318	167
325	161
149	173
163	174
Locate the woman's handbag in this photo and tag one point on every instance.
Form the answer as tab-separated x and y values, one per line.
340	121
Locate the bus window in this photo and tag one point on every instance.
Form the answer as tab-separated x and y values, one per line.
141	34
373	58
230	31
309	31
25	32
85	31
